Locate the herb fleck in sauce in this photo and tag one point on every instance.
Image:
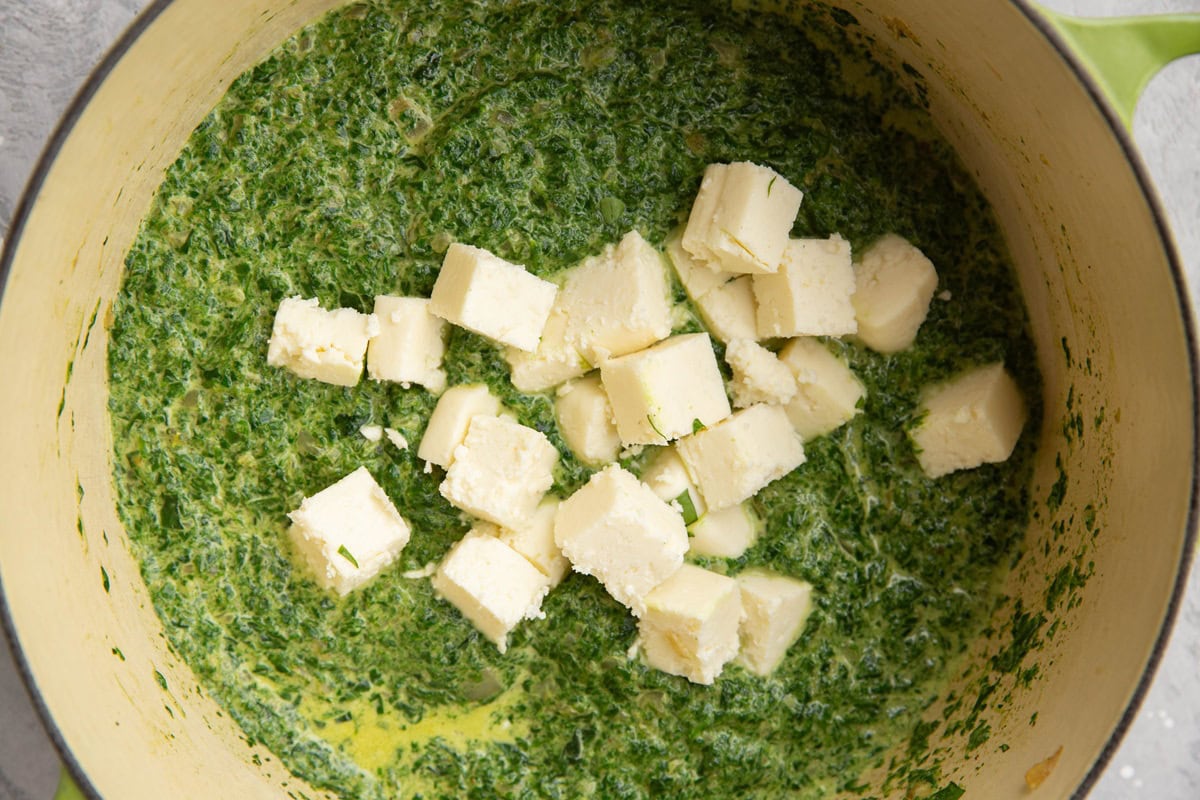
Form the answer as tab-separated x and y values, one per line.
342	167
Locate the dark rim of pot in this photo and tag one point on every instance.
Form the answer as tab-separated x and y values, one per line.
1125	139
80	102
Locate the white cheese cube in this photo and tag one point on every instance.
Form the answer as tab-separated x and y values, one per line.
742	217
729	311
758	375
657	394
450	419
492	297
740	455
810	294
493	585
727	533
894	284
690	627
776	608
975	418
668	478
699	228
585	420
697	277
500	472
410	344
617	302
616	530
348	532
535	541
555	360
325	345
827	392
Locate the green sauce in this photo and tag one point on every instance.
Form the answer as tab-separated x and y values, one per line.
341	167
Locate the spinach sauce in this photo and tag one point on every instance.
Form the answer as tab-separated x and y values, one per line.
342	167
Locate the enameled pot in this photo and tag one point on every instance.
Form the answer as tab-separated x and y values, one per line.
1114	486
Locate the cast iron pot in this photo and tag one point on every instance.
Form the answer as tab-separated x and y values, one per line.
1115	476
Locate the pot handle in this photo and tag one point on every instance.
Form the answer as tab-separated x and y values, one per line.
67	790
1124	53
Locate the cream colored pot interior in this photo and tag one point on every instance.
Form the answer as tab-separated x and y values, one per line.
1113	483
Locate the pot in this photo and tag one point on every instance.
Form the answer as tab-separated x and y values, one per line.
1114	485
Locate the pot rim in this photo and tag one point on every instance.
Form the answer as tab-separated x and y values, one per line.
1029	9
1124	137
33	187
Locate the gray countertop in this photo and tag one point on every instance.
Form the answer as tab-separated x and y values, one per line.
47	48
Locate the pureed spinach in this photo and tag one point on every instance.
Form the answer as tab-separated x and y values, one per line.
341	167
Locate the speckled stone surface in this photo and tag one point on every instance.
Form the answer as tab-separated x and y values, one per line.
47	48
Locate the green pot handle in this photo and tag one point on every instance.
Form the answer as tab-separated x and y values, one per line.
1124	53
67	790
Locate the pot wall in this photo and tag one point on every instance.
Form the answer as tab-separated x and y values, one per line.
1092	265
130	712
1113	486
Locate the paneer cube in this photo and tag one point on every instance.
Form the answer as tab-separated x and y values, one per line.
758	375
697	277
556	360
741	218
894	285
658	394
727	533
493	585
827	391
728	311
690	627
585	420
811	293
450	419
776	608
732	460
975	418
699	229
348	532
492	297
325	345
668	478
617	302
616	530
410	344
500	472
535	541
725	300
